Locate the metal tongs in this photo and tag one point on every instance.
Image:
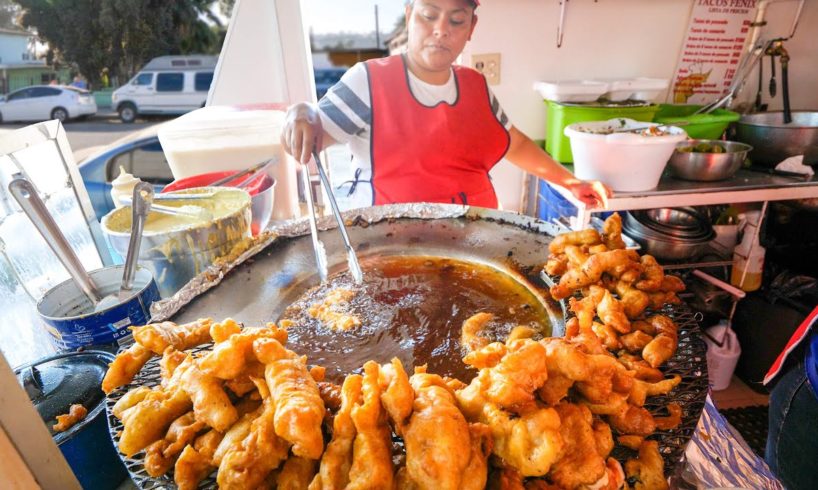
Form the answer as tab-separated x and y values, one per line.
318	246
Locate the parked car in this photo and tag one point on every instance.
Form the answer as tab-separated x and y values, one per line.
326	78
139	154
166	85
44	102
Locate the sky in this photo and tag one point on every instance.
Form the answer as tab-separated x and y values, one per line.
352	15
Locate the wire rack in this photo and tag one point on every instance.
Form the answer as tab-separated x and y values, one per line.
689	362
149	376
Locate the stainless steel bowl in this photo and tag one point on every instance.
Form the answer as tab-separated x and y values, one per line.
684	222
707	167
638	220
774	141
667	247
663	245
177	255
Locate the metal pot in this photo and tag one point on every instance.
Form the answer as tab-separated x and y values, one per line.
54	384
176	255
71	318
773	141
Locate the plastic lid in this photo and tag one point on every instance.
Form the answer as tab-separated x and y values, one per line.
55	383
221	118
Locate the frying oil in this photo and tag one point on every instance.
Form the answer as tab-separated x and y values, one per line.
413	308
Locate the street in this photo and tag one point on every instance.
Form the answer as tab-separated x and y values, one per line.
99	130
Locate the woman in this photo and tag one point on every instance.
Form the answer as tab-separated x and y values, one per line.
421	129
792	438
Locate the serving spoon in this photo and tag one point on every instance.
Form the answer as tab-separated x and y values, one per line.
142	200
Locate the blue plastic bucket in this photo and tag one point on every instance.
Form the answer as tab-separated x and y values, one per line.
71	319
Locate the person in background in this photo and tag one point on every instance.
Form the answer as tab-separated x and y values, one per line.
421	129
792	436
79	83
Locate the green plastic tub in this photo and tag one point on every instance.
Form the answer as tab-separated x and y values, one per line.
560	115
699	126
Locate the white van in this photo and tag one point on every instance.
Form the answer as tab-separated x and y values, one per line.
166	85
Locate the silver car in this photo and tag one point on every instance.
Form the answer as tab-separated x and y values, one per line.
44	102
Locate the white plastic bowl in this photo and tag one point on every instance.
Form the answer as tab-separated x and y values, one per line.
625	162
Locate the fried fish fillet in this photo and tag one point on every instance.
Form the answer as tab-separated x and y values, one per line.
299	410
156	337
125	366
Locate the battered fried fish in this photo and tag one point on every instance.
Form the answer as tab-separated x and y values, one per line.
372	449
299	409
126	365
435	417
157	337
161	455
333	473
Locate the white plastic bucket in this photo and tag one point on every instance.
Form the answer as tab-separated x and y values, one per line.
626	162
721	361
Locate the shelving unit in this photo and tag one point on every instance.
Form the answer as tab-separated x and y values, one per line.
744	186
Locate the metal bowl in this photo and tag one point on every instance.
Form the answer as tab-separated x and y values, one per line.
684	222
638	222
667	247
707	167
773	141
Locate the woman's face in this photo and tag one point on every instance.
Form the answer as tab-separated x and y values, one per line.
438	30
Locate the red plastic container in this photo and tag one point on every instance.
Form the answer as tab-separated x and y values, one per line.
259	188
260	182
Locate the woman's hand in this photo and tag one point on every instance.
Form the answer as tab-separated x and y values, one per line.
592	192
302	132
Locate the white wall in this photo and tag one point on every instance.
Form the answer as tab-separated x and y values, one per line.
605	39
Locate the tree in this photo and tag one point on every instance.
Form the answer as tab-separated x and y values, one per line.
121	35
8	14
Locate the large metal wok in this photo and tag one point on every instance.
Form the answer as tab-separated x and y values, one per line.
263	282
773	141
262	288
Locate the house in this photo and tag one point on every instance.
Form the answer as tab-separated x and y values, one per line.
19	67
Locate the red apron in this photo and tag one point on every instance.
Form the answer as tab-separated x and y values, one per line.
432	154
797	337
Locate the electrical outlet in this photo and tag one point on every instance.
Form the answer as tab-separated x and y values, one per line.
489	65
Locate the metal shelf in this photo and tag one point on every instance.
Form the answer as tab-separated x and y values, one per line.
744	186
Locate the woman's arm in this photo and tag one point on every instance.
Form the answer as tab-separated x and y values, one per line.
525	154
303	132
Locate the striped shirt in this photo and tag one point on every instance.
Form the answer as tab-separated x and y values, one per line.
346	115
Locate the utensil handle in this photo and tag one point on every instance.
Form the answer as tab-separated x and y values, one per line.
736	292
317	246
240	174
36	210
142	200
355	267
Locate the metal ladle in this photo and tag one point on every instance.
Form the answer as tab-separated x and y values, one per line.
36	210
142	201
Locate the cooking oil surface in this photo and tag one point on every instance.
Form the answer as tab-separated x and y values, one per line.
412	308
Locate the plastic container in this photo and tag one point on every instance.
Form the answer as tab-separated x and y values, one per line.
261	189
699	126
571	90
626	162
123	186
721	361
560	116
220	138
640	88
748	256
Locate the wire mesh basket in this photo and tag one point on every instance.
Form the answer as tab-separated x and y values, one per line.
689	362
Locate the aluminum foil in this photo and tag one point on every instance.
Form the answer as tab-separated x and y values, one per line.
718	457
213	275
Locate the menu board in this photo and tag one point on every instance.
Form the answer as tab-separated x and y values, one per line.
712	50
